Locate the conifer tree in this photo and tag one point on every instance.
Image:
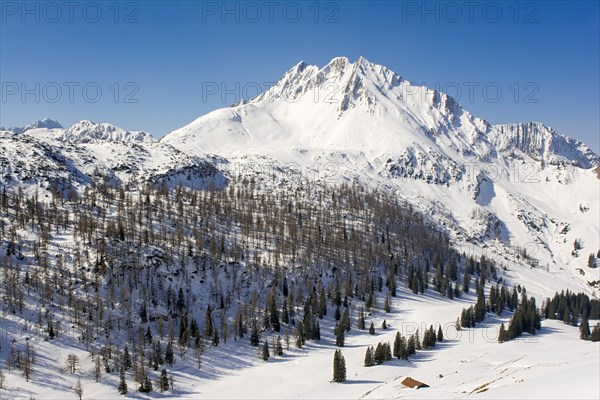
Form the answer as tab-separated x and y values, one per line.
361	318
402	352
387	352
146	385
584	327
122	389
369	357
379	354
265	351
254	335
345	323
126	359
396	347
169	357
339	367
440	334
278	347
339	335
411	348
208	322
502	335
595	336
387	305
466	282
372	329
163	381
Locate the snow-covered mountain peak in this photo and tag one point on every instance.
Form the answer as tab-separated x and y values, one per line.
45	123
358	107
542	143
339	75
87	132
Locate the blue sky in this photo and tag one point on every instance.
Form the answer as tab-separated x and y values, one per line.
147	65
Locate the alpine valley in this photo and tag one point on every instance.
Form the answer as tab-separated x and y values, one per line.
232	257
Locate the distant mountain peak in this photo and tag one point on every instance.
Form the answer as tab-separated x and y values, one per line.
45	123
86	131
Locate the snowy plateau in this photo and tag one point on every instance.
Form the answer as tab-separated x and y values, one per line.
318	193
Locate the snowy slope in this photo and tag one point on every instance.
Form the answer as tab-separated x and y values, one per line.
467	363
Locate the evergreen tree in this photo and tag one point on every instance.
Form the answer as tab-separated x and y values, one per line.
180	301
502	335
146	385
387	305
208	322
122	389
440	334
345	323
273	313
466	282
339	336
158	358
339	367
148	336
595	336
387	352
169	357
278	347
126	359
402	352
254	335
369	357
396	347
411	348
143	313
361	318
379	354
285	317
265	351
372	329
584	327
163	381
301	336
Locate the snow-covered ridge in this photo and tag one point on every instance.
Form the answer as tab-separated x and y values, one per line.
87	132
543	143
45	123
82	132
